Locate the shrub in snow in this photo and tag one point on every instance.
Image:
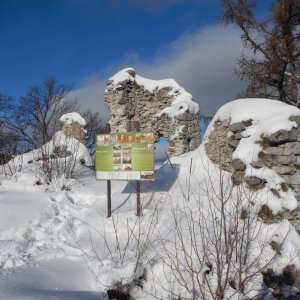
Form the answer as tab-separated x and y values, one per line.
60	156
220	248
55	162
206	241
119	264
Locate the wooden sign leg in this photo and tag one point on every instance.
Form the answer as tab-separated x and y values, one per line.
108	198
138	183
138	198
108	184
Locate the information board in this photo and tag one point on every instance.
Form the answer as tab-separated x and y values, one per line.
125	156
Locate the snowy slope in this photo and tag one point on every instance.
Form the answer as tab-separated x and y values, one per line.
60	245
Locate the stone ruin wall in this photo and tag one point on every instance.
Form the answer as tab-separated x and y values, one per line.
280	152
74	130
130	102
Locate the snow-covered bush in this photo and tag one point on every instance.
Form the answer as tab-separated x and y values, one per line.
212	245
219	248
207	242
213	238
54	163
119	264
9	169
61	155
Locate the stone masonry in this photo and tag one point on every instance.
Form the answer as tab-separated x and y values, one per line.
129	102
74	130
280	152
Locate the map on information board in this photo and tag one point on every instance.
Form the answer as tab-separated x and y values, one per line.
125	156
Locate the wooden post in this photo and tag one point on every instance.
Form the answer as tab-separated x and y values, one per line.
108	183
138	183
138	198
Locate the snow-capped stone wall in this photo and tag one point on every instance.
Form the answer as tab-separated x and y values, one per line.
258	141
73	126
160	106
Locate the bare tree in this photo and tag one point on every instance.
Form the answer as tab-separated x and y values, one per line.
7	137
31	121
93	126
5	104
35	117
272	68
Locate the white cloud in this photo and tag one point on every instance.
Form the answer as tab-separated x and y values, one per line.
202	62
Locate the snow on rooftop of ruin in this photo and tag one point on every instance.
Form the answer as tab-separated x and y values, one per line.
72	117
182	102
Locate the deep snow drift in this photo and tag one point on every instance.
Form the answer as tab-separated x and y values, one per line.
196	232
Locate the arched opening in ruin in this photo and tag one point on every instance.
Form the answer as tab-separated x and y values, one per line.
161	150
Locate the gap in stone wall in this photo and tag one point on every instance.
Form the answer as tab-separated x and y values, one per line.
162	148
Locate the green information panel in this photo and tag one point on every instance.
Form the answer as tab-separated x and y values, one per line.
125	156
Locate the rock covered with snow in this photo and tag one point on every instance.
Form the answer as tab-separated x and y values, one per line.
72	117
70	141
258	140
73	126
160	106
63	146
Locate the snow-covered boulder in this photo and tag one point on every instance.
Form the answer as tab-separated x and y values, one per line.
160	106
258	140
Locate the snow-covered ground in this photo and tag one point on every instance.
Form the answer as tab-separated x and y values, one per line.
59	244
42	232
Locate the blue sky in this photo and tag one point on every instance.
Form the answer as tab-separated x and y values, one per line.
84	42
